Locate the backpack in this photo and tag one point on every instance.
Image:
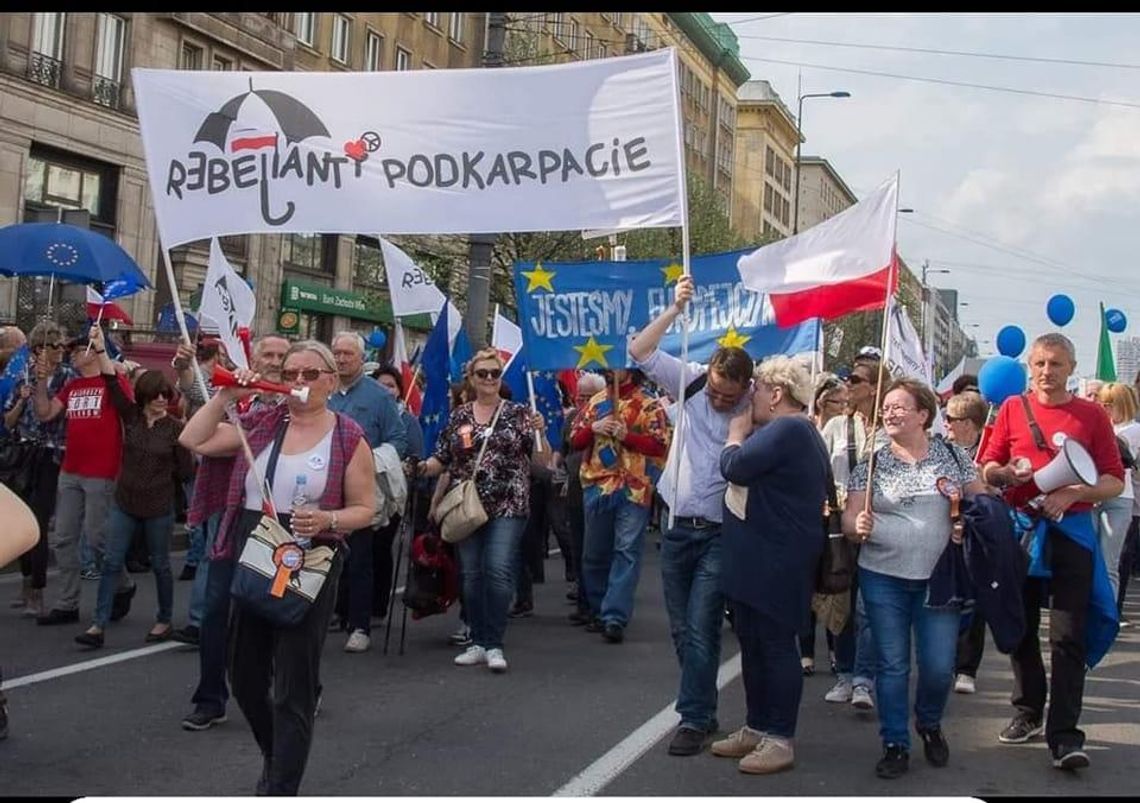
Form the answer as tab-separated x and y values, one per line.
1126	456
433	576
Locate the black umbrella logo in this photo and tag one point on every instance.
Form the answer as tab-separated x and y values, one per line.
296	120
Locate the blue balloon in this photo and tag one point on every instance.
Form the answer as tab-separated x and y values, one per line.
377	339
1060	309
1000	378
1115	320
1010	341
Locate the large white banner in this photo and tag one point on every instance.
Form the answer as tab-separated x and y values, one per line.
586	145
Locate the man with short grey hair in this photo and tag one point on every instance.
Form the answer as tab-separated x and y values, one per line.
375	410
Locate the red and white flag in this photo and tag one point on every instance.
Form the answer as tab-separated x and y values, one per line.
400	356
506	337
844	264
111	310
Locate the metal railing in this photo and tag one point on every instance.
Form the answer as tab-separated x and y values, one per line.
43	69
106	92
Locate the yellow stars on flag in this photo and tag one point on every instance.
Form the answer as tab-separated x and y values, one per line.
539	278
733	338
672	272
592	351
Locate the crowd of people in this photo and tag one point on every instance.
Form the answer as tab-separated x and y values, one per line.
741	496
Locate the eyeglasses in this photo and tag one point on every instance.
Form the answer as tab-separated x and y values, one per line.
897	408
953	419
56	346
308	374
488	373
855	379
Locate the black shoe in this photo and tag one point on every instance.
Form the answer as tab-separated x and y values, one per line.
935	747
92	640
185	635
688	741
521	609
1020	729
1069	757
137	567
57	617
188	572
595	625
894	763
201	720
613	633
121	603
580	618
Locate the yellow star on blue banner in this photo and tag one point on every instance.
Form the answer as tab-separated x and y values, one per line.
539	278
672	272
592	351
733	338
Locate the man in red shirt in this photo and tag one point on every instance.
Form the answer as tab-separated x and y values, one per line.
1069	557
93	450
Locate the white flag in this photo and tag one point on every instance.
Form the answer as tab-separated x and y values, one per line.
904	357
412	290
228	301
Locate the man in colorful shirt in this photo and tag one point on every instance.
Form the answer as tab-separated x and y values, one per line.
627	438
91	461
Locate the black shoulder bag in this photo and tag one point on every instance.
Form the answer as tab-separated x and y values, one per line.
836	567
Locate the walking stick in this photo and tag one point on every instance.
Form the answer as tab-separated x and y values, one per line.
411	527
396	571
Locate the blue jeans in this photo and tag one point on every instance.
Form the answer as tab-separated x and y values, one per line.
770	665
611	555
894	607
690	571
487	566
196	546
212	694
120	529
1113	518
856	658
209	530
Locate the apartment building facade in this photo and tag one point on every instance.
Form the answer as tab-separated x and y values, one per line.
823	192
765	163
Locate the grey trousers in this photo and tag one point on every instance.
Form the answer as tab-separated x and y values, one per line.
82	506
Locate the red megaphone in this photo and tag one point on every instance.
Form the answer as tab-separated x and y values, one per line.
226	379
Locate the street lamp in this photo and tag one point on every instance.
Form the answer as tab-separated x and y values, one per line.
799	137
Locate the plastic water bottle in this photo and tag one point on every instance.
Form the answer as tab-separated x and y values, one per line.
301	501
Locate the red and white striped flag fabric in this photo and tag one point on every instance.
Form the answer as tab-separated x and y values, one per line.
400	357
844	264
111	310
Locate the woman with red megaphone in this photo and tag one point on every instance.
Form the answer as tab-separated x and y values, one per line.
317	470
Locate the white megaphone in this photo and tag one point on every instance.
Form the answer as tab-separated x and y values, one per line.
1072	465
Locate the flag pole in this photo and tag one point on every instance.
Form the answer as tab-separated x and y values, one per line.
683	193
888	310
98	320
529	377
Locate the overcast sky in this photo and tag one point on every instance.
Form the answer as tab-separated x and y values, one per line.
1054	181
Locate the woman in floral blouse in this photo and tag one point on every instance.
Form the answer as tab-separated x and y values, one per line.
487	556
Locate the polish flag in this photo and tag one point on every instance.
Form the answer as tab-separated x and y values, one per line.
412	394
252	139
506	337
111	310
845	264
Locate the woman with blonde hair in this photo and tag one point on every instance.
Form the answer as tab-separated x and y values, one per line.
777	467
487	556
1115	516
319	469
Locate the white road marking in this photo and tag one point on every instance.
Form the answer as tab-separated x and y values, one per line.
598	775
83	666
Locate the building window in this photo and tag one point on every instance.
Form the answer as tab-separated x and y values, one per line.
306	27
572	44
340	36
373	51
619	19
313	252
107	81
366	264
432	19
589	45
60	179
46	63
403	59
556	21
768	196
455	27
221	64
787	176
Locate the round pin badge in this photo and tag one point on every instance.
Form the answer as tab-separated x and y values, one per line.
316	462
1059	439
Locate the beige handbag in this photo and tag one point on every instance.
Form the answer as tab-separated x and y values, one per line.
460	512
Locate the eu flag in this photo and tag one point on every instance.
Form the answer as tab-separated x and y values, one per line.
547	397
435	368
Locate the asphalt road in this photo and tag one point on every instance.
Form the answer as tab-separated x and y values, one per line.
571	715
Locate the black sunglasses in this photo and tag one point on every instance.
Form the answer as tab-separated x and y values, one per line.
855	379
308	374
488	373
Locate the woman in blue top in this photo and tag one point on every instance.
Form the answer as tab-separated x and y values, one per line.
771	542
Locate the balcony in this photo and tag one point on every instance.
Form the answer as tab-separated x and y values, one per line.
45	70
106	92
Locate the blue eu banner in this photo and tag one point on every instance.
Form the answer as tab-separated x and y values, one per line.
581	314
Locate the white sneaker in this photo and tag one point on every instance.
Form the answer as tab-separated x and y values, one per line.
964	684
473	656
358	641
496	662
840	692
861	698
